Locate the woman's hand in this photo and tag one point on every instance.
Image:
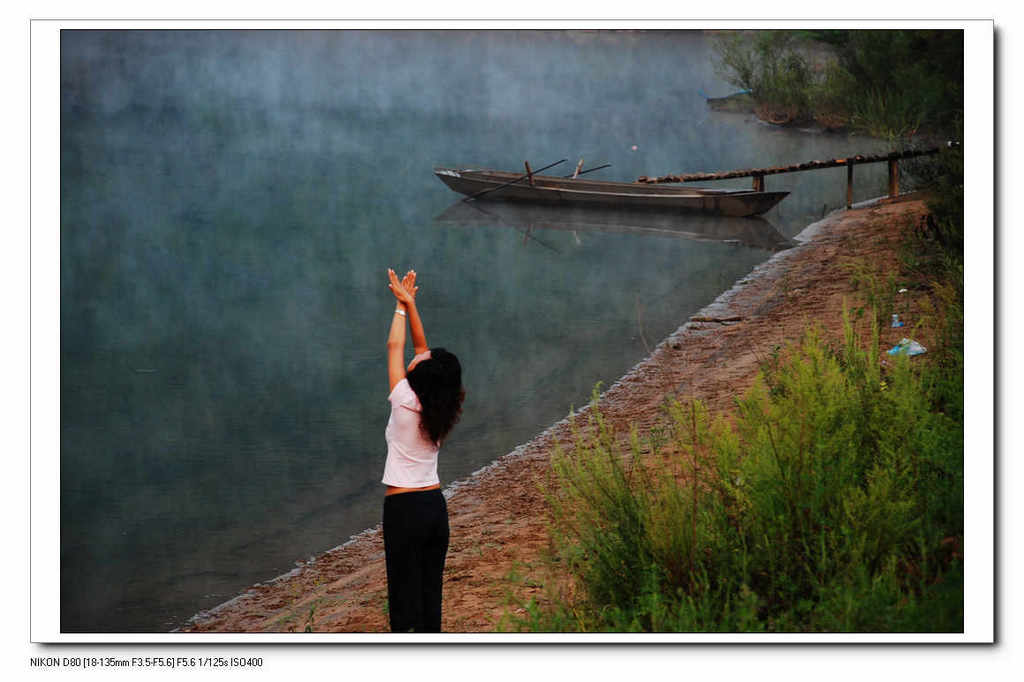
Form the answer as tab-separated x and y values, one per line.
404	291
409	282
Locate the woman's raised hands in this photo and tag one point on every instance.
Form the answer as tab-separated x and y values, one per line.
404	291
409	282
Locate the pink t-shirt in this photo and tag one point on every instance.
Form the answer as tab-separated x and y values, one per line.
412	458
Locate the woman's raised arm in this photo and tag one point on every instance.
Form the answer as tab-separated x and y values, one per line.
405	294
419	337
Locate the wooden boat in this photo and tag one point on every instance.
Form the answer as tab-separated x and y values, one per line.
753	231
548	189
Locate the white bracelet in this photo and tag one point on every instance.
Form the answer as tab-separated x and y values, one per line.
400	312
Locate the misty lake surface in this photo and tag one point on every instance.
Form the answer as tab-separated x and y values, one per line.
230	202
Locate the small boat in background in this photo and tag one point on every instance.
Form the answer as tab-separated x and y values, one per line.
494	185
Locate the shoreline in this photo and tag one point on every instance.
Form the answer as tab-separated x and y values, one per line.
497	512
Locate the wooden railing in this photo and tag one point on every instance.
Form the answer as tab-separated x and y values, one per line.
892	158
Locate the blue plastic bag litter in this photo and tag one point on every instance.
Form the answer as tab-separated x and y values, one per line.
908	347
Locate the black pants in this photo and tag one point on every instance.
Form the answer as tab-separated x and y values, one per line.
415	545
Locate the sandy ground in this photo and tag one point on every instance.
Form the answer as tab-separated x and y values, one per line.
498	516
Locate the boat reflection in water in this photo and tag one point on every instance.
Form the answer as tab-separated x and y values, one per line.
752	231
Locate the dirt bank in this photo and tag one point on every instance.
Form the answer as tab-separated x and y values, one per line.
498	515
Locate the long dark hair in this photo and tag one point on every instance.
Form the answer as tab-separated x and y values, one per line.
437	382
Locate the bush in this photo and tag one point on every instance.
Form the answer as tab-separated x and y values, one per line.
834	504
892	84
770	67
941	235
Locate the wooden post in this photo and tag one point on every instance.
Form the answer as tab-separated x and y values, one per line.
894	177
579	167
758	183
529	173
849	185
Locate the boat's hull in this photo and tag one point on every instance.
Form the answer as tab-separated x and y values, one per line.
554	190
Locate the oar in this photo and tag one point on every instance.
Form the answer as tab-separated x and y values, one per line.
512	182
589	170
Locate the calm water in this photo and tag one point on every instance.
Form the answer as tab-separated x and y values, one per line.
230	202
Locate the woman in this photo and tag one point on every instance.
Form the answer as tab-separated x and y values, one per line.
426	401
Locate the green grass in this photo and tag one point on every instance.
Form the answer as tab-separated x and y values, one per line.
835	504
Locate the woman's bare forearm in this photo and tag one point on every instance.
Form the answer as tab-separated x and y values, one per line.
396	348
419	338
